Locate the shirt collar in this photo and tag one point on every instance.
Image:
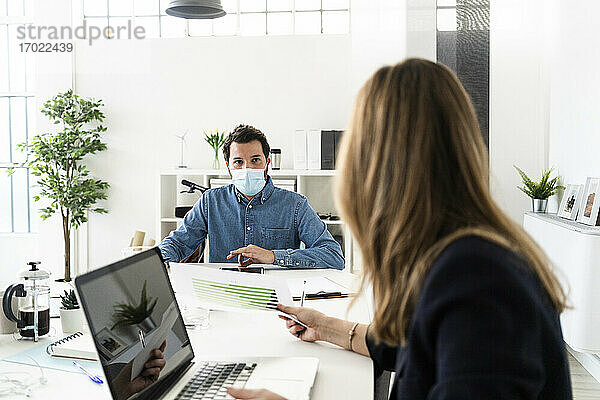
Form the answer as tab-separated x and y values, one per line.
263	195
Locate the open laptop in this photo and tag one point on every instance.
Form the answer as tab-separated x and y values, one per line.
131	310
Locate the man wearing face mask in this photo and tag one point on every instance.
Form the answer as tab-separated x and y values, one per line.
252	221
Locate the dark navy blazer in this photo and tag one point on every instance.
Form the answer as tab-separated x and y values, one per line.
483	328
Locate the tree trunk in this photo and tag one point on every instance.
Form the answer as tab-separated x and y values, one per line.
67	238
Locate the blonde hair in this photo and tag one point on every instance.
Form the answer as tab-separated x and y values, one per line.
413	177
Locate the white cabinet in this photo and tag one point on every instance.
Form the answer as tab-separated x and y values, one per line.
316	185
574	250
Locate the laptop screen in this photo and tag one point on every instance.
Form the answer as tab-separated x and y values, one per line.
136	323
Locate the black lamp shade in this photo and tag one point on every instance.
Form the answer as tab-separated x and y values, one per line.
195	9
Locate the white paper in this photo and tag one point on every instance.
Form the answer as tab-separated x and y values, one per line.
155	339
314	285
229	290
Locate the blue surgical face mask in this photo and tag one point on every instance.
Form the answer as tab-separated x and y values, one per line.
248	181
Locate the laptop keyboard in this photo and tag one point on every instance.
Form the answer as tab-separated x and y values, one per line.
212	380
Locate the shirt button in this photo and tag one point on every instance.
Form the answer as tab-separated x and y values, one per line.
249	228
281	261
297	263
250	206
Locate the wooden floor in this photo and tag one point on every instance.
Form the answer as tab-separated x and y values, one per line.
585	387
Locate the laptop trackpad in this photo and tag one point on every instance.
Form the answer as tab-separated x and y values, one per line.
290	377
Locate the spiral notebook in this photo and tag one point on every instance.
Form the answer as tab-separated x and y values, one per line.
79	345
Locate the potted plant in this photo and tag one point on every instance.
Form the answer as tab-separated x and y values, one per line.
71	317
140	315
57	159
539	192
216	140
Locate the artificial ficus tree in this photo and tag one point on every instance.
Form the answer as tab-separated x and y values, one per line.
57	159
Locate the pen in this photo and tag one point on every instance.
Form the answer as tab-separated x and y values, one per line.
323	295
141	336
303	294
94	378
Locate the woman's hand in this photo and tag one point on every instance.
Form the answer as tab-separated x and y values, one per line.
253	394
316	322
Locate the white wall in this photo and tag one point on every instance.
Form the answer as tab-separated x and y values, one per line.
575	87
156	88
52	74
519	101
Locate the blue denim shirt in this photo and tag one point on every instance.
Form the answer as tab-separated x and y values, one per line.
275	219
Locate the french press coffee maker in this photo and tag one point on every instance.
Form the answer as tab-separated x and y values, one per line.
33	295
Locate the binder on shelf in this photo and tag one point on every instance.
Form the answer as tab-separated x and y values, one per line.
300	149
314	149
338	140
327	150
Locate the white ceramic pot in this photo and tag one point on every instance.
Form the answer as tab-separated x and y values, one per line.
71	320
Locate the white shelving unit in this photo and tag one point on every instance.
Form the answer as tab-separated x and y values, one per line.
316	185
574	250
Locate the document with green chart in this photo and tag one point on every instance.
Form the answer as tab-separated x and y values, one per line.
229	290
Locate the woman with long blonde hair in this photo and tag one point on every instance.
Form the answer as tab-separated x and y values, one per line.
466	305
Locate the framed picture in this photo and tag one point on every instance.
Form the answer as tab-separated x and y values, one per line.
110	345
590	202
569	204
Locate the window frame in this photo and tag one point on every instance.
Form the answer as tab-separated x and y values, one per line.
10	95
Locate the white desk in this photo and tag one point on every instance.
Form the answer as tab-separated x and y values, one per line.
342	374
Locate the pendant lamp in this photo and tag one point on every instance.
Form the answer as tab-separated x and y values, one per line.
195	9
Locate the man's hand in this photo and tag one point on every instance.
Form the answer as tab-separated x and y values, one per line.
253	255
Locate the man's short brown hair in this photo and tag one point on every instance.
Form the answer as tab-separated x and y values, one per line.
246	134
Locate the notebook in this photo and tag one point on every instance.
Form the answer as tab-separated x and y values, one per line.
78	345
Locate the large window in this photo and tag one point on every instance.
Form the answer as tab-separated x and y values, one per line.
17	106
244	17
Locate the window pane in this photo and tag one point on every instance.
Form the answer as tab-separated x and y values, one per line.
335	21
200	27
100	23
172	27
446	3
2	10
15	8
18	127
253	5
146	7
226	25
280	23
253	24
122	23
335	4
16	60
446	19
95	7
4	133
150	25
279	5
3	59
308	4
308	22
20	193
230	6
120	8
5	206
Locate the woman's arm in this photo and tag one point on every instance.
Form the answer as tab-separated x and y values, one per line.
328	329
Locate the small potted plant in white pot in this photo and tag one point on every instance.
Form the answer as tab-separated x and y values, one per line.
71	317
539	192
